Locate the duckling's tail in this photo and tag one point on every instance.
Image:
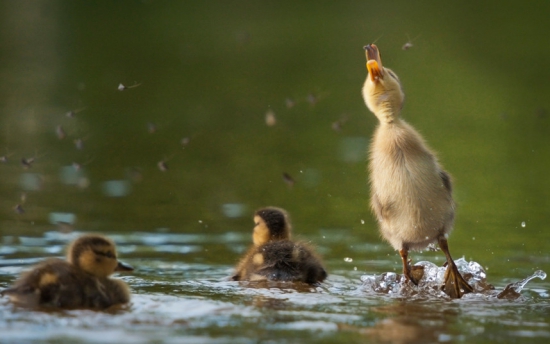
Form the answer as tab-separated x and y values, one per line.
7	292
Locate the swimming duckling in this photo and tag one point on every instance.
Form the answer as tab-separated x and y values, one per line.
411	195
274	257
82	281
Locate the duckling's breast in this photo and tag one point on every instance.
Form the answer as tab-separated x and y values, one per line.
408	194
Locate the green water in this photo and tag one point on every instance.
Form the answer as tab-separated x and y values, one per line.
476	85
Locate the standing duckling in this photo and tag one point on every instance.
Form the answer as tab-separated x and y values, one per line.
411	193
82	281
274	257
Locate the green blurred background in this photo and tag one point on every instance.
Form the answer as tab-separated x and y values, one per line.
476	84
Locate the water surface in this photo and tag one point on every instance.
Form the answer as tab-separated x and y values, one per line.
232	96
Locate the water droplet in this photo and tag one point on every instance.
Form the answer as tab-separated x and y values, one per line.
116	188
540	274
270	118
362	221
233	209
57	217
523	224
31	181
352	149
348	260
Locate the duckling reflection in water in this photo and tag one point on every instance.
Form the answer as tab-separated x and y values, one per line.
411	195
274	257
80	282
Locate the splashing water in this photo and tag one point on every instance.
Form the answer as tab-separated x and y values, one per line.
433	278
512	290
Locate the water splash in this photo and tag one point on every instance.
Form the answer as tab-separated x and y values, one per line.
433	278
512	290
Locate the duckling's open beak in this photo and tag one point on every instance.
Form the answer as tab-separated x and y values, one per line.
374	63
123	267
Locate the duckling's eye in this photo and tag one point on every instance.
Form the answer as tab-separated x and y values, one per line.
108	254
393	75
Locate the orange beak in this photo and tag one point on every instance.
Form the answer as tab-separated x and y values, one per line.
374	63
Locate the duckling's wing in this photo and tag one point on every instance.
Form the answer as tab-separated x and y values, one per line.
289	261
105	293
446	179
272	260
244	265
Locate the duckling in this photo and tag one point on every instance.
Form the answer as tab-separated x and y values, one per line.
274	257
411	194
82	281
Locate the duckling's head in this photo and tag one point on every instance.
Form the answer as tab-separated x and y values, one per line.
96	255
271	224
382	90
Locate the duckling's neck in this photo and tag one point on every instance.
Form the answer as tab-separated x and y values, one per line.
387	115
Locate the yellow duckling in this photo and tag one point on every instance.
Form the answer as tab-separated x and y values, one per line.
411	195
274	257
80	282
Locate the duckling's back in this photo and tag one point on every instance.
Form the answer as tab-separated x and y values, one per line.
282	260
56	283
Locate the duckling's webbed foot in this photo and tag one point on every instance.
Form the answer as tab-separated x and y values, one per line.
416	274
455	286
411	273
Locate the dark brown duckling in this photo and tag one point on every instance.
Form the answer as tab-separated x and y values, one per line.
82	281
274	257
411	194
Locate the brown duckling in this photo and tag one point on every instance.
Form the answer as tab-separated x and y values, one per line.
411	194
82	281
274	257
